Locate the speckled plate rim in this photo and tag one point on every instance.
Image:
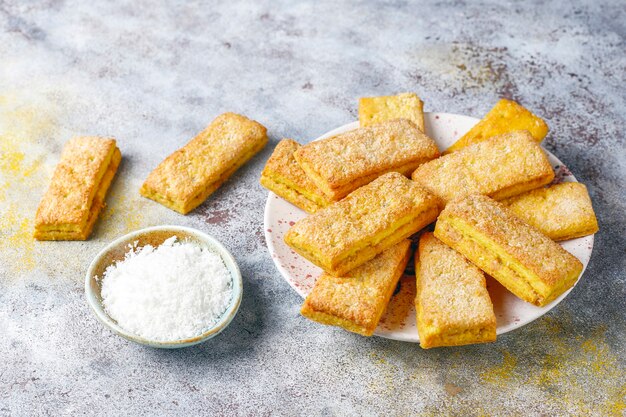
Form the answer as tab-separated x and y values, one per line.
468	122
211	242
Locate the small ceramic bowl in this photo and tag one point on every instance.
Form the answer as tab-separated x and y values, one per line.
155	236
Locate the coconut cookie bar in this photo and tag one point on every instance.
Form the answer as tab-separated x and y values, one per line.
283	176
188	176
561	212
77	192
357	300
371	219
506	116
500	167
341	164
374	110
525	261
452	303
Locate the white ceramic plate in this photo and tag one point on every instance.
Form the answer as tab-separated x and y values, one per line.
399	321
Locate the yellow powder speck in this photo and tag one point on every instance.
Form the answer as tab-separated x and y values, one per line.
617	402
24	140
16	237
378	358
123	213
502	373
3	188
576	375
10	161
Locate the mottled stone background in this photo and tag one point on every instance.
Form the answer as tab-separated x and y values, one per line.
154	74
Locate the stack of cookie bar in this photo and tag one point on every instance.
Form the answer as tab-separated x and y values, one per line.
371	188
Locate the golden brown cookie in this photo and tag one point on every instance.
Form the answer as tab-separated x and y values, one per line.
500	167
188	176
374	110
505	117
524	260
76	194
371	219
340	164
561	211
283	176
357	300
452	303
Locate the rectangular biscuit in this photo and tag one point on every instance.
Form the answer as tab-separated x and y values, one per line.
452	303
188	176
374	110
561	211
357	300
341	164
500	167
76	194
525	261
505	117
283	176
371	219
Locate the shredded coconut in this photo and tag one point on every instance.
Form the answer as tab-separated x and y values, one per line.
172	292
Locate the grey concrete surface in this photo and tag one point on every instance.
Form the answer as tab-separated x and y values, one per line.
153	74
